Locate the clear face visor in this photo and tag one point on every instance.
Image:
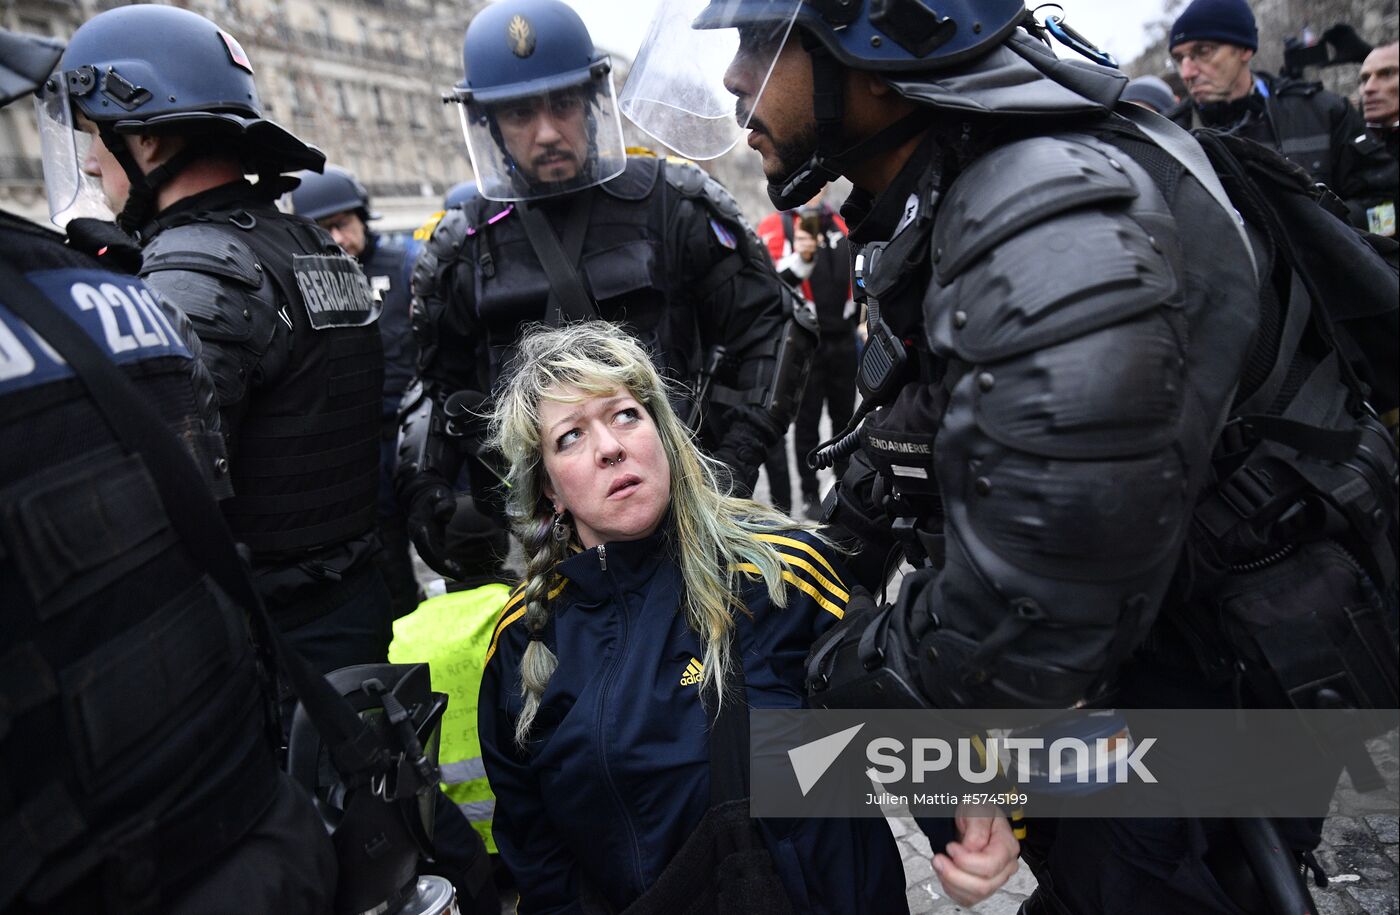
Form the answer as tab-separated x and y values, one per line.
72	193
552	142
676	90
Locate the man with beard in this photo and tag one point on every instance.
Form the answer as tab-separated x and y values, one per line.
567	226
1063	309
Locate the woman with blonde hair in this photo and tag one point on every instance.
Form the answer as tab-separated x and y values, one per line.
653	603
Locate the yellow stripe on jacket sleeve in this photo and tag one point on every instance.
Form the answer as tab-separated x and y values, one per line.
517	614
806	587
837	591
794	544
512	602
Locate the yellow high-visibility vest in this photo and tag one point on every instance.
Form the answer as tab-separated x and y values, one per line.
451	632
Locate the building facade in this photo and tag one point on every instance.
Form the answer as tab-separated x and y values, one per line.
361	79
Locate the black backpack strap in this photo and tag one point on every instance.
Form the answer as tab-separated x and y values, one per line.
568	298
1183	148
355	748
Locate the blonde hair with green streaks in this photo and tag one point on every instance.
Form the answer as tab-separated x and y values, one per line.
710	532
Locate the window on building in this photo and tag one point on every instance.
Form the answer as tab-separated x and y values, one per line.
343	108
292	90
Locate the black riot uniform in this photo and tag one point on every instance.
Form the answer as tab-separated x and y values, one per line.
287	323
1067	323
387	266
285	317
137	767
339	203
668	254
1056	448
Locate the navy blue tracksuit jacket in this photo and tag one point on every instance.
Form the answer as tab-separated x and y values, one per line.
617	771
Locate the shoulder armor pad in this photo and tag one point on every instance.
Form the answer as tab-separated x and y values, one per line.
218	308
636	181
693	181
442	246
1058	276
1016	186
203	248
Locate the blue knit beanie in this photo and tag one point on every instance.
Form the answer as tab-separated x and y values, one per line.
1226	21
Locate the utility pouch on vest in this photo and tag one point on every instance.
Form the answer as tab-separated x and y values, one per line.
1309	631
899	442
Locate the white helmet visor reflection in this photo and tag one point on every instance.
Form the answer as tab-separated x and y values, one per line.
72	192
676	89
540	141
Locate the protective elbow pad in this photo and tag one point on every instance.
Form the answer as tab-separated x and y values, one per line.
1064	486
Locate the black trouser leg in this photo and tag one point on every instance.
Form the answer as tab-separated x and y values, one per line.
832	384
840	378
775	465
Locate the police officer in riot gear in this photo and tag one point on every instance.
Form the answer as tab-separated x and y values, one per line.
135	749
1063	313
168	120
569	226
339	203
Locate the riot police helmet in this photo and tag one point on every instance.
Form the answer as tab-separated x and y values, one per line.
157	70
25	62
967	57
460	194
537	102
336	190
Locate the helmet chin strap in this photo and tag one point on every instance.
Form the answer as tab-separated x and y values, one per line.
140	204
832	158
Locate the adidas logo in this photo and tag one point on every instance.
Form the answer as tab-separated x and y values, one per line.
693	672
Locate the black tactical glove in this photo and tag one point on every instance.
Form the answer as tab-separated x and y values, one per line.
865	661
105	241
432	507
745	447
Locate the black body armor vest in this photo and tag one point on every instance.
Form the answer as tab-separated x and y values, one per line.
305	452
131	717
624	264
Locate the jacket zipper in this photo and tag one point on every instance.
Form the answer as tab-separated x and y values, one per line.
599	743
1265	561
